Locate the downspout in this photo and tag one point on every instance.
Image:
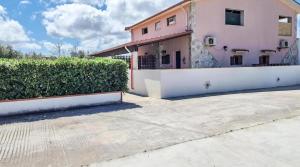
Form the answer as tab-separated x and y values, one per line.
188	27
127	49
187	16
131	68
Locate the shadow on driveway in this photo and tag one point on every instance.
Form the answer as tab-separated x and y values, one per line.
67	113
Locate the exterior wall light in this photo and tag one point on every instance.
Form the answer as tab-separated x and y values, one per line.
225	48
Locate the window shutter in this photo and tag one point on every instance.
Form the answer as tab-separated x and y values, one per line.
240	60
232	60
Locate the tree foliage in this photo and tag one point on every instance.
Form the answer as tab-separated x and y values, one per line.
9	52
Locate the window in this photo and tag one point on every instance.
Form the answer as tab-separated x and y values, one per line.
157	26
236	60
264	60
171	20
146	62
234	17
165	59
145	31
285	26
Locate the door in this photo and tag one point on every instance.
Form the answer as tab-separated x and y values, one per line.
178	59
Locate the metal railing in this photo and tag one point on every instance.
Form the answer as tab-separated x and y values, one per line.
126	58
147	62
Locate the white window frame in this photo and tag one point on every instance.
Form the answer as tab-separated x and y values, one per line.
235	56
143	32
158	26
242	17
171	20
287	21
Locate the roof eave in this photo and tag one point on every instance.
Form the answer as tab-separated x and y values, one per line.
182	3
140	43
292	4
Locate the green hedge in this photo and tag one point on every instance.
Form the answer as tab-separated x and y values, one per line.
32	78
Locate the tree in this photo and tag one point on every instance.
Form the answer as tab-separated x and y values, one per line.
79	53
75	52
58	48
9	52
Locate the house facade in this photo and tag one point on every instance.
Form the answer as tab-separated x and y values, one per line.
215	33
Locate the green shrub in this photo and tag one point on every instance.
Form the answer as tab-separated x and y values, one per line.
32	78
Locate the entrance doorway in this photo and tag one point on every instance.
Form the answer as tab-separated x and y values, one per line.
178	60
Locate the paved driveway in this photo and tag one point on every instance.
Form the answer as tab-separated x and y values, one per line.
89	136
274	144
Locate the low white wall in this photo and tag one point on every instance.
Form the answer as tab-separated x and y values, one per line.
146	83
193	82
39	105
185	82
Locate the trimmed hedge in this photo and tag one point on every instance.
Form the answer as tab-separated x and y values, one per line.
33	78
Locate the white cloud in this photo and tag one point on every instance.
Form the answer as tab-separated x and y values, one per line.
2	11
35	15
31	46
78	21
25	2
95	28
12	33
48	45
51	48
131	11
95	3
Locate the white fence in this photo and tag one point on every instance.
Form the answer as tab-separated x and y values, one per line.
185	82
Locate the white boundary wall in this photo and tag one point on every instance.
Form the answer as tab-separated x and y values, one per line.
298	42
185	82
57	103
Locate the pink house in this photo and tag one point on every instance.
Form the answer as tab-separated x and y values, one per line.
214	33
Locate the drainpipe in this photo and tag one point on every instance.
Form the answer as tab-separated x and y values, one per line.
131	68
127	49
188	27
187	17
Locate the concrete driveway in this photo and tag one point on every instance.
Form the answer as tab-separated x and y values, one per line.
269	145
102	135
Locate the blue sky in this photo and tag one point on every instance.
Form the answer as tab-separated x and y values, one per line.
37	25
29	14
90	25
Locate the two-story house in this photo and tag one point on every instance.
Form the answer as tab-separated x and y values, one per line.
215	33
